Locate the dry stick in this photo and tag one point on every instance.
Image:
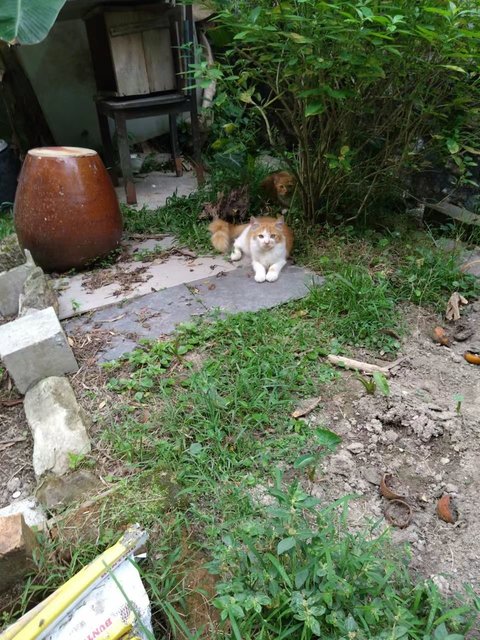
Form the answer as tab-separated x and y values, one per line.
365	367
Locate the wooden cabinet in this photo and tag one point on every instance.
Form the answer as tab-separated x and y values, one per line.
133	49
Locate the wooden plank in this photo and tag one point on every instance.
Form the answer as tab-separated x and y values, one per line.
455	212
155	22
159	60
128	55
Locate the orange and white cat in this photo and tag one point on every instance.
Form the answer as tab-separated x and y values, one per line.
267	241
279	187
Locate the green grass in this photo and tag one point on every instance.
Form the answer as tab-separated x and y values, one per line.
6	224
200	419
179	216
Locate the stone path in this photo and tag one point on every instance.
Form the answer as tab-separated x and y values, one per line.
158	313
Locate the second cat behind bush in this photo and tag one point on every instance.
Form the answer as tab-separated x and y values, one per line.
279	187
267	241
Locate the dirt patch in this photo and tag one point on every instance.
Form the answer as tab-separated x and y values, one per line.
17	479
421	435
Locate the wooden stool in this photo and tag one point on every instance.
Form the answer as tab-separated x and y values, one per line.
121	110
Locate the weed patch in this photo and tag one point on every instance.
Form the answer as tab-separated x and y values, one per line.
299	573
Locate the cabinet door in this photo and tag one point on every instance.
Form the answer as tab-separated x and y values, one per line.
127	53
159	59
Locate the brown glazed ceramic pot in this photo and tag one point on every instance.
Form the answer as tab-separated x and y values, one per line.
66	211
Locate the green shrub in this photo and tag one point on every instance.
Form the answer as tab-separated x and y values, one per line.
301	574
363	91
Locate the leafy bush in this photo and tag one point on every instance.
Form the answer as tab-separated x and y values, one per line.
301	574
363	90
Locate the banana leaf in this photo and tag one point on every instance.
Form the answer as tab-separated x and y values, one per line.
27	21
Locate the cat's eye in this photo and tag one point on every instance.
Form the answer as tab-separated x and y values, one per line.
260	235
273	236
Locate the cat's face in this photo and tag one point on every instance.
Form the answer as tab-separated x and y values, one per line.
285	185
267	235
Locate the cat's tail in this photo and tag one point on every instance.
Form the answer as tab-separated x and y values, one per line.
223	233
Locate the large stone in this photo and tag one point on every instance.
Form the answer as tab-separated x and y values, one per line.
56	492
17	544
37	294
58	425
11	254
11	286
31	511
35	347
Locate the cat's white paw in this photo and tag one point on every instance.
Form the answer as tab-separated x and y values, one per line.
259	277
236	255
272	276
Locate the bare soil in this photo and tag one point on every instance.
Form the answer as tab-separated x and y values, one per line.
416	434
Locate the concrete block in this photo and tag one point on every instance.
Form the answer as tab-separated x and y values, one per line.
11	286
35	347
58	425
17	544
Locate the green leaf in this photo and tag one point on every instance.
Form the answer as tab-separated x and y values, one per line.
285	545
381	382
453	67
304	461
254	14
27	21
327	438
195	449
300	578
279	569
453	146
314	109
298	38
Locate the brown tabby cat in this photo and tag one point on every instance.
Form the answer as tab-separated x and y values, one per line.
268	242
279	187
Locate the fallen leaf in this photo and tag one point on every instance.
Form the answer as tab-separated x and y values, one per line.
102	404
446	510
453	306
211	287
440	336
71	341
306	408
471	357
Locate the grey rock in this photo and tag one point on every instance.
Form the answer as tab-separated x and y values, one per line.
451	488
356	448
58	425
37	294
32	512
61	491
371	475
11	254
13	484
389	437
342	463
11	285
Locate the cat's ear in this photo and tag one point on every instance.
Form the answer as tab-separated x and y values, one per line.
254	222
280	222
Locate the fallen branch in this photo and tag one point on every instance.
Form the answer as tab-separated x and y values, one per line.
364	367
